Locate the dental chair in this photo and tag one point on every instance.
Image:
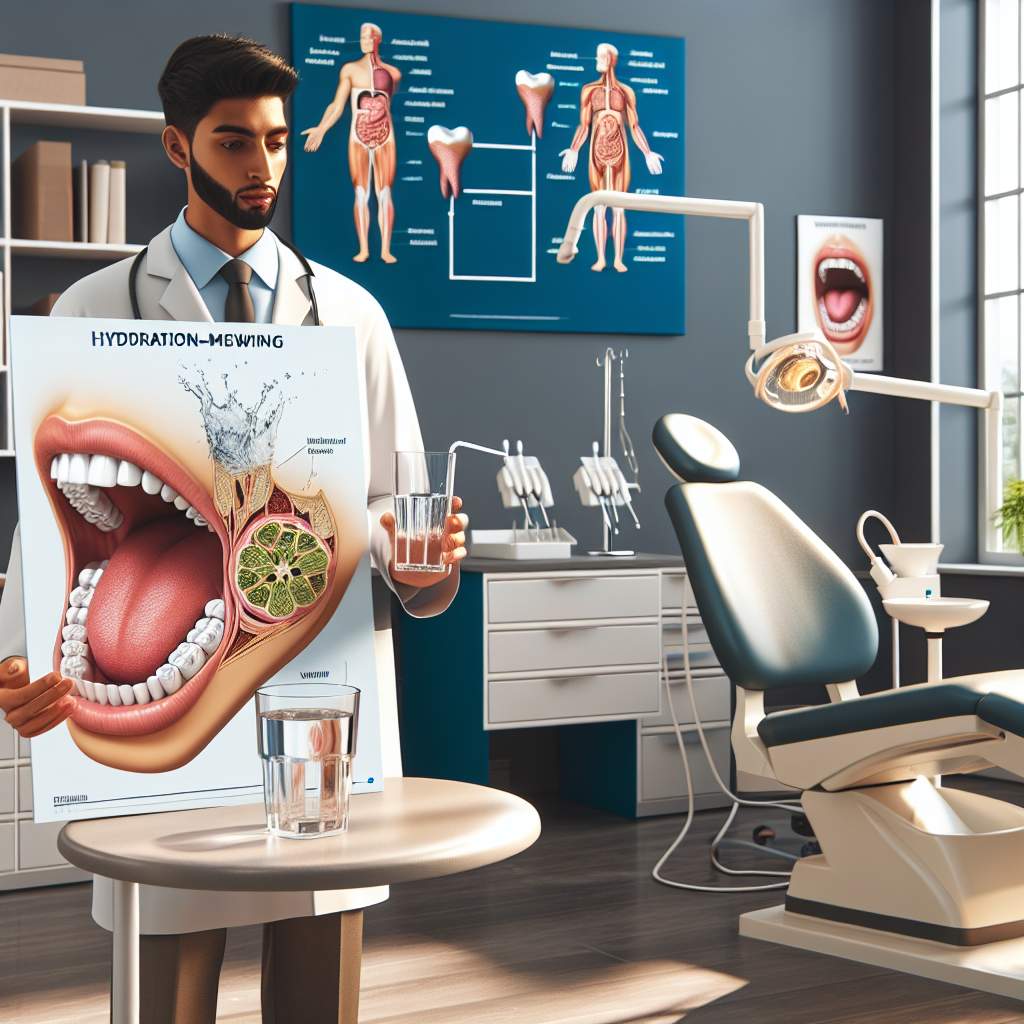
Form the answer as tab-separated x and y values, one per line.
900	854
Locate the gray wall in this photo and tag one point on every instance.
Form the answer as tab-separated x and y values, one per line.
789	102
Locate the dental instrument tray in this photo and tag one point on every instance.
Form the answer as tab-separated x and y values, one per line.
518	544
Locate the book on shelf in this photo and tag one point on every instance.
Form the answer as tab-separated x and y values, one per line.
41	192
82	201
99	201
102	202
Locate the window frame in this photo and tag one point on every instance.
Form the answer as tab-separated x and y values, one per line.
990	490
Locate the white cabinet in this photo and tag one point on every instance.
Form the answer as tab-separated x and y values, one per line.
661	780
570	647
28	852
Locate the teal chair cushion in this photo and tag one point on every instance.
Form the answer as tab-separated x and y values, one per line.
780	607
894	707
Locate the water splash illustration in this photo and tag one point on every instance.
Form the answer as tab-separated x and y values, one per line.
241	437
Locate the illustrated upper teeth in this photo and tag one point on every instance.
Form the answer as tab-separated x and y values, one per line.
128	474
83	479
838	264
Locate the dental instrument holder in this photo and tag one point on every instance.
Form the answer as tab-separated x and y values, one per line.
899	578
522	483
587	480
588	496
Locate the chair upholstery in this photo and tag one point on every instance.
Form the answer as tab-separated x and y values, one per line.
780	607
876	711
695	451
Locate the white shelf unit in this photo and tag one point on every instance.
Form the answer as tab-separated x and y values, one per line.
62	116
28	852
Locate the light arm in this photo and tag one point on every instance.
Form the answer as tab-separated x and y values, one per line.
726	209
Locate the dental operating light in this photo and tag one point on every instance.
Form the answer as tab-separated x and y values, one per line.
802	372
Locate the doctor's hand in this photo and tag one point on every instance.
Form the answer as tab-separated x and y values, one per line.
33	708
569	158
314	136
453	545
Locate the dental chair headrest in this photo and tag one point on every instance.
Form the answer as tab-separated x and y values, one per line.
694	451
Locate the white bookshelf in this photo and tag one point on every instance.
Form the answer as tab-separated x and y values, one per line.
28	852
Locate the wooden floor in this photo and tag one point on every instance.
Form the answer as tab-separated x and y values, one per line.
574	931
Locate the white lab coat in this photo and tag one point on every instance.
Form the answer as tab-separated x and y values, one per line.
167	292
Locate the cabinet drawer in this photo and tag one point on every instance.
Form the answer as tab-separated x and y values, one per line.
24	788
712	692
619	596
530	650
8	742
672	632
7	846
7	776
661	766
37	845
624	694
702	656
672	590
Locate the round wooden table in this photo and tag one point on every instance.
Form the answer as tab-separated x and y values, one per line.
414	829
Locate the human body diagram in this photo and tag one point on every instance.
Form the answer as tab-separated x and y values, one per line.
607	107
368	86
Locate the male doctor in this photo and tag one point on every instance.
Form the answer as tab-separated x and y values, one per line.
223	101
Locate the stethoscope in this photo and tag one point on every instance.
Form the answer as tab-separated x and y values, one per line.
133	274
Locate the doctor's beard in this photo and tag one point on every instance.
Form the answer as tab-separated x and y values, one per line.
222	201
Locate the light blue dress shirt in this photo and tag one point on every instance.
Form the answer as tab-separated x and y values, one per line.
203	260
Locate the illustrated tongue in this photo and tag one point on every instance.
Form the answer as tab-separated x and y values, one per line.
150	595
840	304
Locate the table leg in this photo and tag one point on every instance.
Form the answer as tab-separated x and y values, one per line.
124	995
351	965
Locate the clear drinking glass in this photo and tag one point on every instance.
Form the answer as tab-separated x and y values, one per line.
423	495
307	741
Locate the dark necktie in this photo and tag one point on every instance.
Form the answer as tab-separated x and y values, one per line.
239	308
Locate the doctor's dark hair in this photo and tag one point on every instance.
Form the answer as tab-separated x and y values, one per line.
206	69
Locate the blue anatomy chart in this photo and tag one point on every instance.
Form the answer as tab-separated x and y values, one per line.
436	161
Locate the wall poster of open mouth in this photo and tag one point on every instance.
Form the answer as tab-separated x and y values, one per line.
839	285
193	524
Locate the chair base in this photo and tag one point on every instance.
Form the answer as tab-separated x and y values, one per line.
997	967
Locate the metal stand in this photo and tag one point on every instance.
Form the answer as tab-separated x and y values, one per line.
606	447
124	996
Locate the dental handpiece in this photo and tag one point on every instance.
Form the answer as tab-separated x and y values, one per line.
597	494
518	487
603	481
624	491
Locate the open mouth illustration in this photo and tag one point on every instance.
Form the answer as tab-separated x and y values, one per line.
181	598
843	296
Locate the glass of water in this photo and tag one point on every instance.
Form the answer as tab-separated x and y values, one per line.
423	495
307	741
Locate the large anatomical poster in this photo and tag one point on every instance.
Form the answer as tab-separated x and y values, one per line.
437	160
193	525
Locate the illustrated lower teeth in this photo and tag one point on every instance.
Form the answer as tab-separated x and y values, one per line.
183	664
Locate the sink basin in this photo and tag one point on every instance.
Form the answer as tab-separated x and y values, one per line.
912	559
936	614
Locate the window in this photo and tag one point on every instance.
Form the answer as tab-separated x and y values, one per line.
1001	207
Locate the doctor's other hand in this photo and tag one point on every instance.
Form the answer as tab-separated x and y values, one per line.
453	546
654	162
33	708
314	136
569	158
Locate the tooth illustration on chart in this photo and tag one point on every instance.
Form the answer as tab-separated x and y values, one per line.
191	576
450	149
535	91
